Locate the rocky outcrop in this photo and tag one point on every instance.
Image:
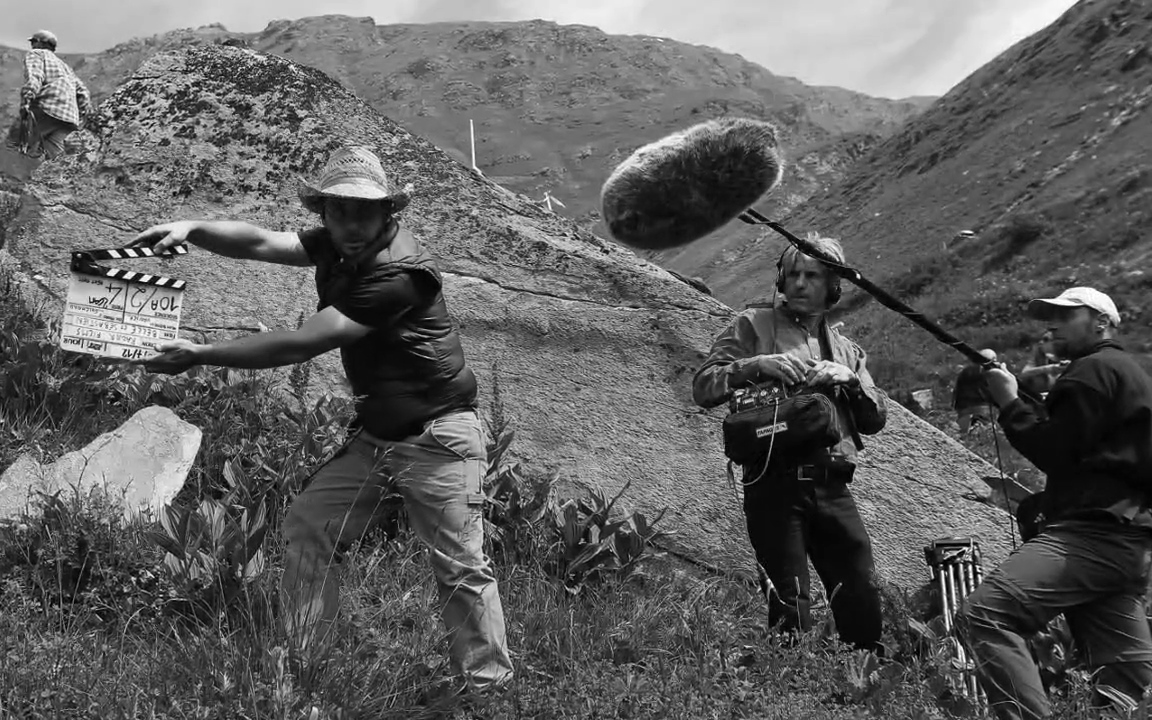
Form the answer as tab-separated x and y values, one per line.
555	106
592	348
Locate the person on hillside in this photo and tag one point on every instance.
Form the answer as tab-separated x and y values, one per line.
798	504
968	397
1041	371
53	101
416	427
1089	543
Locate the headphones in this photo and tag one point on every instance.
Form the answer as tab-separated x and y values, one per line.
834	289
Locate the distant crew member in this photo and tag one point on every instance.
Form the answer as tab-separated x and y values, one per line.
54	103
969	399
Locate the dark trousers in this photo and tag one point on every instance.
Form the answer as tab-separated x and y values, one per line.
49	134
1096	574
790	519
52	133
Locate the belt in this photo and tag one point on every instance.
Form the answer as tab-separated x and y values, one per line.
814	473
401	433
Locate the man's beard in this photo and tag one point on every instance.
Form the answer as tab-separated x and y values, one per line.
351	246
359	252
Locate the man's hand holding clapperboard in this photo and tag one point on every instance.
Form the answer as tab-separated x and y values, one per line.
122	314
174	355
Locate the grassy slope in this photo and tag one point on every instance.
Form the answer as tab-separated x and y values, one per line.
1053	134
1044	153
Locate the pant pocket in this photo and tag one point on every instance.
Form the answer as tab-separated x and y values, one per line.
476	500
458	435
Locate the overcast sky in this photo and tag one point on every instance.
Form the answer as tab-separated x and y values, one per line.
889	48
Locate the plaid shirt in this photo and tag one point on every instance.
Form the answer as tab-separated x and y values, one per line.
55	89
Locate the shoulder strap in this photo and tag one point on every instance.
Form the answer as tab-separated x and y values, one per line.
831	336
851	419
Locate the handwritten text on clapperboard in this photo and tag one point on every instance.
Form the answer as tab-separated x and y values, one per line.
118	318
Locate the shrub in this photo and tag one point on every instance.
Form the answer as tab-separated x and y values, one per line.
516	502
1003	308
9	205
1017	233
921	275
579	540
592	544
51	401
906	287
257	442
213	552
1025	229
73	549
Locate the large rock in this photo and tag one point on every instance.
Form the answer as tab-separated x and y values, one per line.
593	348
18	484
142	464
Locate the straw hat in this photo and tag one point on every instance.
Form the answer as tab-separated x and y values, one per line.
354	173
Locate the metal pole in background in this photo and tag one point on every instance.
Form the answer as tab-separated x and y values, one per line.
472	135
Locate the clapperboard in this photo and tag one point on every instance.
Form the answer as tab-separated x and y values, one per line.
120	313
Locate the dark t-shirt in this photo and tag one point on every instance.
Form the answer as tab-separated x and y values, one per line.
375	297
969	392
411	368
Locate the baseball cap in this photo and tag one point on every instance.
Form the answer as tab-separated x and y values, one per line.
1040	308
43	36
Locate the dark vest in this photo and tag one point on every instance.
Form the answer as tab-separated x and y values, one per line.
410	371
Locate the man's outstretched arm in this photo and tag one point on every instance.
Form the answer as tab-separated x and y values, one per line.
229	238
324	331
366	307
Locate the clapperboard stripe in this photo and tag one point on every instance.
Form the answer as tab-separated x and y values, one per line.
120	253
84	261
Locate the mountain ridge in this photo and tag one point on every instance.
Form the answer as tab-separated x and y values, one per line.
1043	153
555	107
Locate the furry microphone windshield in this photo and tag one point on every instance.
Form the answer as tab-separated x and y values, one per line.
691	183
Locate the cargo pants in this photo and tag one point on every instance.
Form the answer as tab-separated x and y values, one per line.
439	473
1096	574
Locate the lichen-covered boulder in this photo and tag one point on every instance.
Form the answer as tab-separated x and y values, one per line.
591	348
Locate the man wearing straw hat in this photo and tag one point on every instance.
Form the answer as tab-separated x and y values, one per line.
1089	552
416	425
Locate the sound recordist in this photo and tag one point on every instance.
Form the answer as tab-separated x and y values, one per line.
796	497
